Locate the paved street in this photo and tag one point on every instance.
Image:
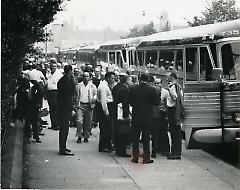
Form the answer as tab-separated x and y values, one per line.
89	169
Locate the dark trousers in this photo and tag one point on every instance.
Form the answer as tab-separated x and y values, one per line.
175	131
139	128
53	107
35	125
155	134
105	126
120	139
64	116
163	141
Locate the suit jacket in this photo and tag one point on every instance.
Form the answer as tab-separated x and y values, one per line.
142	98
66	89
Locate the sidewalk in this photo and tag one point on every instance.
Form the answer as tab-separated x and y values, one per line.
89	169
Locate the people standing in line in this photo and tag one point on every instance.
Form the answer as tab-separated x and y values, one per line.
104	111
86	96
52	98
175	115
142	98
120	96
65	94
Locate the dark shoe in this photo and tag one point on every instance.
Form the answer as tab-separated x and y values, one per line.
68	150
50	128
79	140
134	160
66	153
41	134
38	140
174	157
56	129
147	161
85	140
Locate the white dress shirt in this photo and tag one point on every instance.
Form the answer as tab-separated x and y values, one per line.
104	96
171	100
52	80
36	75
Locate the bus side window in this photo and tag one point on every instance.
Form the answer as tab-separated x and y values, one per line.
140	55
205	65
191	64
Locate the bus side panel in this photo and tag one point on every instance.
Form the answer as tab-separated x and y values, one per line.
202	111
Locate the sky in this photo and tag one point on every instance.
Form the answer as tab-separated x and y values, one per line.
124	14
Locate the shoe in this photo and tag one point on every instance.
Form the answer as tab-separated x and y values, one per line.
55	129
85	140
66	153
38	140
134	160
147	161
50	128
79	140
41	134
68	150
174	157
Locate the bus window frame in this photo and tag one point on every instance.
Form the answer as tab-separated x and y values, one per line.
219	47
198	46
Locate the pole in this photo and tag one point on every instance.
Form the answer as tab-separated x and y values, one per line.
46	42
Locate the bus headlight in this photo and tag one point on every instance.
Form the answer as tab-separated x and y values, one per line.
236	117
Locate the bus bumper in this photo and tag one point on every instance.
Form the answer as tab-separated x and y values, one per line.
215	135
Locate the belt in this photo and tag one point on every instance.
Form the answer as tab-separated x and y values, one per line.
84	103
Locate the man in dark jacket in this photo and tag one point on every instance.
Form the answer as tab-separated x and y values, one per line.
120	96
142	97
66	89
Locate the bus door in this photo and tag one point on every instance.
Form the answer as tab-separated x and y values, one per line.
201	94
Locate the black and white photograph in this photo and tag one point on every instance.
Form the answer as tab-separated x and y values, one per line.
130	94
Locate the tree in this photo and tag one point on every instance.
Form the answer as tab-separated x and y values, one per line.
145	30
23	23
217	11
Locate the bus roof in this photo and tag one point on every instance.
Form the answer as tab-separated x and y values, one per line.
193	34
88	49
120	44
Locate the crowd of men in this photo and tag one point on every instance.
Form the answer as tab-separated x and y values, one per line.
128	109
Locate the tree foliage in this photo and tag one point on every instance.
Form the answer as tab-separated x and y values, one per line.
22	23
217	11
144	30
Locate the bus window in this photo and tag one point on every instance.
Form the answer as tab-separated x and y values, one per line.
124	55
130	58
191	64
231	60
151	58
140	57
119	60
166	59
112	57
205	65
178	60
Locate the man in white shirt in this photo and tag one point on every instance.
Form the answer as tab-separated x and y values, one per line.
104	112
52	79
86	96
175	105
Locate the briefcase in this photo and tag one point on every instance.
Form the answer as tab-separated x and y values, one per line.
124	127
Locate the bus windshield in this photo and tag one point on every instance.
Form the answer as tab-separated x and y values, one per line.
231	60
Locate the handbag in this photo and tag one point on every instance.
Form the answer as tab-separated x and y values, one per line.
43	112
124	127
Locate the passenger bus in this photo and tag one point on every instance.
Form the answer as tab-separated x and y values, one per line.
120	53
207	61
